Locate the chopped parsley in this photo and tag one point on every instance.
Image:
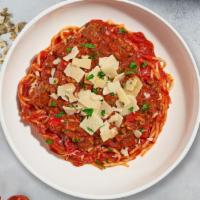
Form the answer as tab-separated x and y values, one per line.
144	64
141	130
69	49
98	162
88	45
133	65
60	114
131	109
75	140
112	94
49	141
55	80
95	90
110	149
53	104
130	72
90	130
88	111
122	30
103	112
89	77
101	74
145	107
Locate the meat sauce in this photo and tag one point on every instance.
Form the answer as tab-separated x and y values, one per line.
65	137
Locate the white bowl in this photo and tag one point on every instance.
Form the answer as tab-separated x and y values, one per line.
174	141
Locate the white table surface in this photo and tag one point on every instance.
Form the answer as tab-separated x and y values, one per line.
182	184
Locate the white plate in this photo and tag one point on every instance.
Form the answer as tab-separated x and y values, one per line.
183	116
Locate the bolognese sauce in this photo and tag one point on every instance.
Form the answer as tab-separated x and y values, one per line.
97	95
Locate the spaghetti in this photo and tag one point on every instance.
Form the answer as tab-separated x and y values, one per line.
60	120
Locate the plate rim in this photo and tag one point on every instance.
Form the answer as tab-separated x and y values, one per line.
79	194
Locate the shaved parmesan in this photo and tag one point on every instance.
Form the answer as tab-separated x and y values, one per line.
53	70
131	107
105	107
62	90
116	119
94	71
54	96
124	151
106	90
91	124
71	97
96	81
69	110
56	61
82	62
119	77
37	73
111	87
133	85
74	52
106	133
89	99
123	96
109	66
96	97
99	83
74	72
137	133
66	92
53	80
117	109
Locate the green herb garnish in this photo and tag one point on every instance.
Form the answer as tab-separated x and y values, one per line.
130	72
144	64
88	111
49	141
112	94
53	104
145	107
103	112
101	74
89	77
122	30
95	90
133	65
90	130
98	162
131	109
69	49
75	140
141	130
88	45
59	115
110	149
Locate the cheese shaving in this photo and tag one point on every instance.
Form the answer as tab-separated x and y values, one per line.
116	119
91	124
74	52
82	62
109	66
106	133
74	72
